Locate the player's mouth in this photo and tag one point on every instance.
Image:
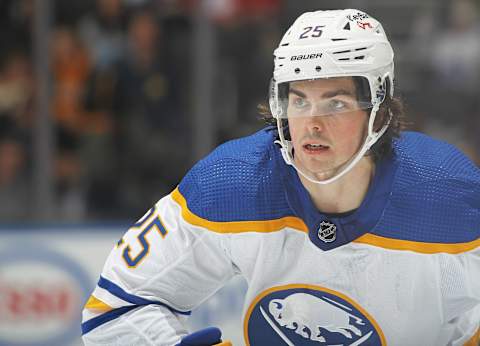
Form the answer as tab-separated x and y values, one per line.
311	148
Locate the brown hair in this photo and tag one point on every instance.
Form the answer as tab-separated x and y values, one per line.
398	123
391	105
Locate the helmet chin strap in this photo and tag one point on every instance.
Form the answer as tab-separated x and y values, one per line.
371	139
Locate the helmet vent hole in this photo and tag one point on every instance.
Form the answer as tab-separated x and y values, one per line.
318	68
297	70
347	27
342	51
339	39
363	48
361	57
285	44
344	59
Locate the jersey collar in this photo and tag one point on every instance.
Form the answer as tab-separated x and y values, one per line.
349	227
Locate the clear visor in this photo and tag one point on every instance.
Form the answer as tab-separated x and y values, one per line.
323	97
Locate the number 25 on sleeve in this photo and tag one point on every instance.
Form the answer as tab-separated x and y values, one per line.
150	222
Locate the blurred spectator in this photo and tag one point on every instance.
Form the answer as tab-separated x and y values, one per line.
450	75
68	178
15	192
70	68
456	49
16	20
151	135
456	76
231	11
16	94
103	33
16	89
98	145
99	149
247	32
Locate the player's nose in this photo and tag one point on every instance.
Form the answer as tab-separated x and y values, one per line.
316	123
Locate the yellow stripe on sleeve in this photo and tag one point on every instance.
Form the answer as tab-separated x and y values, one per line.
421	247
474	340
96	305
224	343
238	226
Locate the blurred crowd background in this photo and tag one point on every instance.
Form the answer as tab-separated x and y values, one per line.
127	79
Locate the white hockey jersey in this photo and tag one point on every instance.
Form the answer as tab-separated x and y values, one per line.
403	269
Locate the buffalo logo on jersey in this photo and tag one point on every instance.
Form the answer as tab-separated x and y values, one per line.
309	315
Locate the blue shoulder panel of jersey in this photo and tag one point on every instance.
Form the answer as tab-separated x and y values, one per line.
238	181
435	195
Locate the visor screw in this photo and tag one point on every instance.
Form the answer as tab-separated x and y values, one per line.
318	68
297	70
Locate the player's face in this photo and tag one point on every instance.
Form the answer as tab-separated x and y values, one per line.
326	127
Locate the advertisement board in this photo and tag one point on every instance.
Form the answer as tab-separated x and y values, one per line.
48	273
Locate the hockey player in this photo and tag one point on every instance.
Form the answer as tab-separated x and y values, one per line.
347	231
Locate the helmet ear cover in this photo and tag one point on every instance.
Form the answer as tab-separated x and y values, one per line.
384	113
283	91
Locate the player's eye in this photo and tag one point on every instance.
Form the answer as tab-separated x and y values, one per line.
337	105
300	103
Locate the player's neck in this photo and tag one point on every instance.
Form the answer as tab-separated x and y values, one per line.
345	194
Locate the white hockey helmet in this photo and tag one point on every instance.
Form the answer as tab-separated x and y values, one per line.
328	44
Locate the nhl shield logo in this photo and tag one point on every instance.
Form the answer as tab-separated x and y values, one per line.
327	232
